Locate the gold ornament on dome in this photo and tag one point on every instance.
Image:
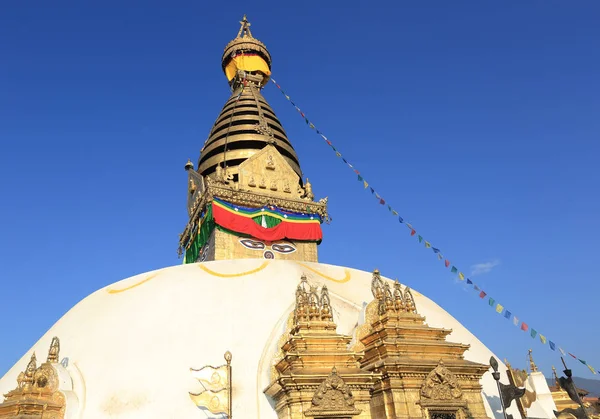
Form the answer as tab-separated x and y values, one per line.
441	384
333	399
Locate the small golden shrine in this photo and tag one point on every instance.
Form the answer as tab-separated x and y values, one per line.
424	376
318	376
37	394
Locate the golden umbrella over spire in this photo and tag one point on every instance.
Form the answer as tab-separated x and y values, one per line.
246	53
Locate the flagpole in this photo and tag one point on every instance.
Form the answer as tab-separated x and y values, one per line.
496	375
229	384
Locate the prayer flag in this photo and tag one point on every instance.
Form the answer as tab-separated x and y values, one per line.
475	287
572	355
372	190
381	201
435	250
394	212
440	257
552	345
389	208
543	338
427	244
491	302
533	333
453	269
447	263
337	153
344	160
524	327
583	362
360	178
499	308
401	219
561	351
413	232
516	320
461	276
409	226
591	368
420	238
366	184
507	314
482	294
469	281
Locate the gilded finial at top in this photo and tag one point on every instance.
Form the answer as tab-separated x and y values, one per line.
245	28
532	365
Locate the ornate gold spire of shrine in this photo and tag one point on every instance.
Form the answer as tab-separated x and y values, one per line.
316	370
37	394
424	375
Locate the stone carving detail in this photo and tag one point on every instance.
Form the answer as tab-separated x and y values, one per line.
252	182
441	384
310	306
333	398
270	162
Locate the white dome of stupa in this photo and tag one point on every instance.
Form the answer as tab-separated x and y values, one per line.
129	347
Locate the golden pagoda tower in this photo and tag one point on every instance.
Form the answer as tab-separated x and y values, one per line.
247	198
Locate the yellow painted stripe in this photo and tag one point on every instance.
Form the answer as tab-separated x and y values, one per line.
148	278
211	272
346	278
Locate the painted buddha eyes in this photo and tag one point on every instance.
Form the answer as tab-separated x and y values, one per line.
283	248
252	244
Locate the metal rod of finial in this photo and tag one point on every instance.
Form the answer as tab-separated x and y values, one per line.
229	384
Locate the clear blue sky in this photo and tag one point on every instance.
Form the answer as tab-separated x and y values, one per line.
478	121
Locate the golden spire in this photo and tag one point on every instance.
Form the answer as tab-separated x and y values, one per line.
532	365
245	28
555	376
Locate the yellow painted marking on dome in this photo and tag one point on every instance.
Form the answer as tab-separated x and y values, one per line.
346	278
148	278
211	272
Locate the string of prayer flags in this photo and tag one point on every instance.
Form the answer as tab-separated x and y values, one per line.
413	232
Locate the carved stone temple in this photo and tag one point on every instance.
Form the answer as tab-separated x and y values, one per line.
251	325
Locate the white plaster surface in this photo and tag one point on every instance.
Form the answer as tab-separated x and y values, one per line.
130	352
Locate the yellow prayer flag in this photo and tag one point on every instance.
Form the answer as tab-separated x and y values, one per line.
499	308
211	378
215	402
366	184
427	244
591	368
543	338
461	276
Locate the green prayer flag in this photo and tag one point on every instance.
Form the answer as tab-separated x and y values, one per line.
533	333
360	178
454	270
491	302
420	239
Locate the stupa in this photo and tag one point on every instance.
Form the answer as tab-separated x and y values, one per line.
252	325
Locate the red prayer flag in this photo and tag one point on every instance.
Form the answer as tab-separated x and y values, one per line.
381	201
447	263
413	232
328	142
524	327
482	294
572	355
